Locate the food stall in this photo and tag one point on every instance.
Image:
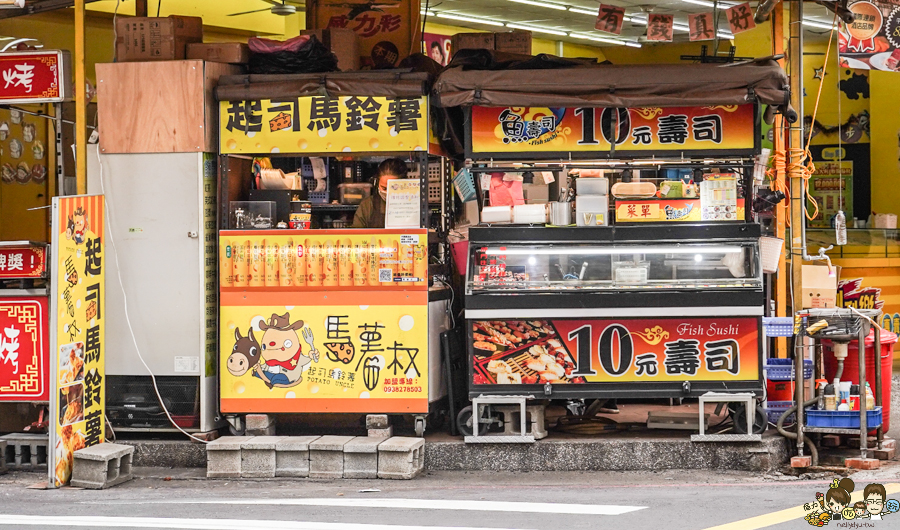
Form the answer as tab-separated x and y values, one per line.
320	317
649	283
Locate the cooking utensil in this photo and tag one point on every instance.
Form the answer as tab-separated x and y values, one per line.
308	337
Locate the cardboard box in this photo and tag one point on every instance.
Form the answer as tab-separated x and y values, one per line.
471	41
156	39
220	52
819	286
513	42
342	42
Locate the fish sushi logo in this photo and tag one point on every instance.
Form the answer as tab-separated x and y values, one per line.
522	127
673	214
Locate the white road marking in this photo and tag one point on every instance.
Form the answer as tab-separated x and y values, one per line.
421	504
201	524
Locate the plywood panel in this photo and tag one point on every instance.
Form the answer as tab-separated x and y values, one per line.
158	107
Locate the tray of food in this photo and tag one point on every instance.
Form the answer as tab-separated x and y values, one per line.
520	352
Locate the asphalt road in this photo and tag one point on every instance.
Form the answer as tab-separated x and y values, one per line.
668	500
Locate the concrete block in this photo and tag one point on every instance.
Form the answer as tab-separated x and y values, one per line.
831	440
101	466
361	457
326	457
862	463
259	425
885	454
377	421
292	456
889	443
223	457
26	452
801	461
381	433
401	457
258	457
2	457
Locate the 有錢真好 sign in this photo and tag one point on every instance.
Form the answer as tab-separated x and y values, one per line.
35	77
335	351
78	397
722	129
319	124
615	350
22	261
24	357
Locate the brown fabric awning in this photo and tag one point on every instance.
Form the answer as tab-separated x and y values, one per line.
652	85
384	84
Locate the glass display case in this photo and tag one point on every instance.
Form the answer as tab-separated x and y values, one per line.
861	243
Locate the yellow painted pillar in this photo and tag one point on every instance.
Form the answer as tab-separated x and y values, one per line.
795	158
80	103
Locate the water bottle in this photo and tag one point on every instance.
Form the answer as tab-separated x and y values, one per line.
840	228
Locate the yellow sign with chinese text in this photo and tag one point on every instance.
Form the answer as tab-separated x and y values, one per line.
78	398
319	124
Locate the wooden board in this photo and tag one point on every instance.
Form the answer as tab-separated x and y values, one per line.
159	107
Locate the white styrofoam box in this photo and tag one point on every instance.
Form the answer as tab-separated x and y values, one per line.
496	214
530	214
592	210
592	186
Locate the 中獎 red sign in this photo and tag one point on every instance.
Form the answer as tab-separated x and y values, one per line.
34	77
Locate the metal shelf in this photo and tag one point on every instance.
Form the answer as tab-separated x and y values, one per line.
335	207
831	430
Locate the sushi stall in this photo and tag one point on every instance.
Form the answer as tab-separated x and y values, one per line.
648	283
315	316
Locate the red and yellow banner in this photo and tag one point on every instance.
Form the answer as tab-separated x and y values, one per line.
78	398
723	128
24	357
666	210
615	350
23	261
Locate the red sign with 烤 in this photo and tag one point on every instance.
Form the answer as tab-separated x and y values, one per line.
34	77
24	355
22	262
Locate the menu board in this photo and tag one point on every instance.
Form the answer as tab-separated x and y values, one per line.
404	203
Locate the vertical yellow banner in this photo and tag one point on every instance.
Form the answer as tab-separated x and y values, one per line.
78	396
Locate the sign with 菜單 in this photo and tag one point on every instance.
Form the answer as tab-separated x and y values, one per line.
666	210
24	340
22	261
616	350
35	76
722	129
78	395
404	204
313	259
326	351
319	124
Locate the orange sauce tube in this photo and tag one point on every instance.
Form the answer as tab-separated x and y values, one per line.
360	258
241	262
345	267
271	250
374	254
314	275
330	255
286	264
298	253
257	275
226	264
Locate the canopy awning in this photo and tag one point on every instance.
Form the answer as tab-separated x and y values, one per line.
397	84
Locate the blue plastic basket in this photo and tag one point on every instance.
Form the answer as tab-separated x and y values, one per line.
319	197
782	369
778	326
842	419
774	410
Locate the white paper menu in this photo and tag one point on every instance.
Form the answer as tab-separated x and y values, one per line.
403	204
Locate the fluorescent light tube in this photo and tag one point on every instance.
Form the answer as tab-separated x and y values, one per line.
473	20
817	25
580	10
598	39
601	251
537	29
540	4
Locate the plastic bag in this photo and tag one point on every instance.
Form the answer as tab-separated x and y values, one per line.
300	55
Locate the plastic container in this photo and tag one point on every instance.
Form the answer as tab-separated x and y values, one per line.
778	326
774	410
634	190
524	214
350	193
319	197
780	390
842	419
782	369
591	210
851	367
770	249
592	186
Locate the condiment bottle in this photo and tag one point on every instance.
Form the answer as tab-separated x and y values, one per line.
830	398
843	406
854	397
870	397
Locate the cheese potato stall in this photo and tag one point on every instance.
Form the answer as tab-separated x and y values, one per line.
649	282
316	316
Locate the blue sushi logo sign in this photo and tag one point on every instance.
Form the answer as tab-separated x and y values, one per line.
518	128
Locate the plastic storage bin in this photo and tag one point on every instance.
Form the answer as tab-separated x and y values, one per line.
354	193
319	197
774	410
781	369
592	186
842	419
778	326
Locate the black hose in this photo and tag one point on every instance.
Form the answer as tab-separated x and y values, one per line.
793	436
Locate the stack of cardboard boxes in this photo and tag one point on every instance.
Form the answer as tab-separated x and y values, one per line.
518	42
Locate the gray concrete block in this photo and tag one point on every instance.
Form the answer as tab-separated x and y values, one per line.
101	466
361	457
2	457
377	421
381	433
259	425
25	451
401	457
292	456
258	457
223	457
326	456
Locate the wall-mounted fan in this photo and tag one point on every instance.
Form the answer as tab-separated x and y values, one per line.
284	8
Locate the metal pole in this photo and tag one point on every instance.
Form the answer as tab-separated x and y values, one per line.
80	103
798	386
879	433
798	198
863	427
60	166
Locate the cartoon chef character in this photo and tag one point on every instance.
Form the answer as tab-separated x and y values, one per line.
282	359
